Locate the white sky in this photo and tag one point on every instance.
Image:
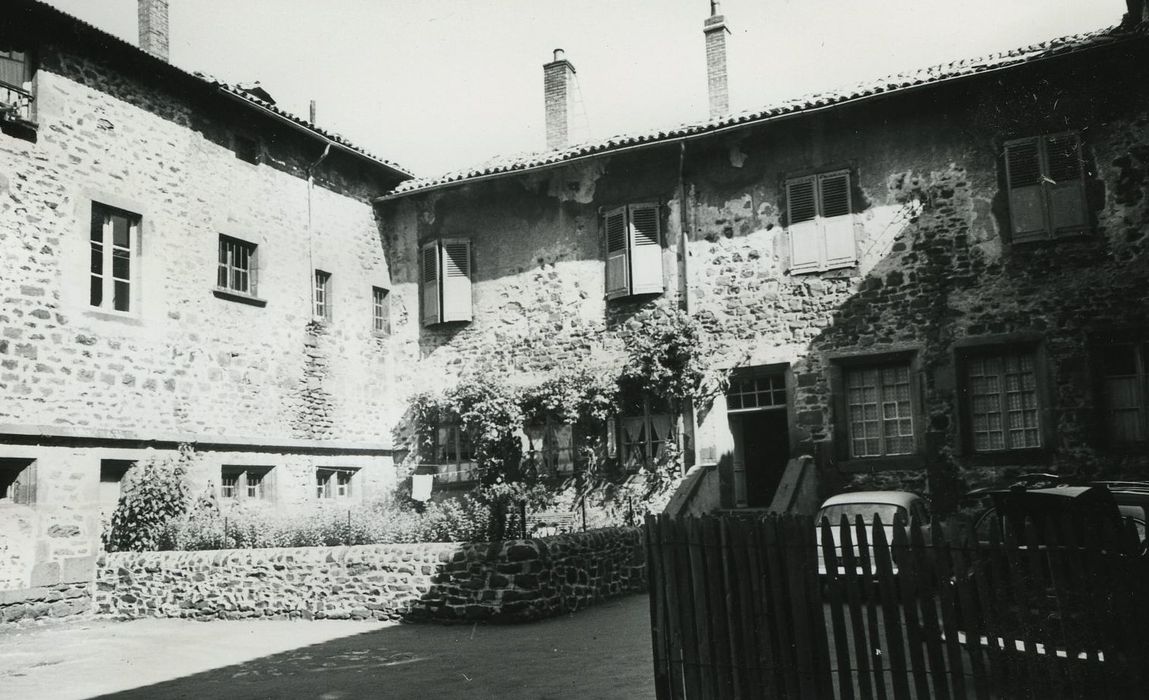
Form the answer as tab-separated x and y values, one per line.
442	84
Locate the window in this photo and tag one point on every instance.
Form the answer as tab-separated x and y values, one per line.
15	74
245	483
17	481
322	296
756	393
380	311
237	265
445	273
551	443
112	473
879	410
1126	388
633	251
335	483
645	427
452	452
821	226
1004	406
247	148
1046	187
114	233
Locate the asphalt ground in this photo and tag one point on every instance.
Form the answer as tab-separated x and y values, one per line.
602	652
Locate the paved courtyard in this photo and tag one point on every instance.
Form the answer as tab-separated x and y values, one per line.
603	652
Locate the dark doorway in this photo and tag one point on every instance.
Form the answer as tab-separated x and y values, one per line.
765	451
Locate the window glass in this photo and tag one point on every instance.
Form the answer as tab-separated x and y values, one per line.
879	411
1004	409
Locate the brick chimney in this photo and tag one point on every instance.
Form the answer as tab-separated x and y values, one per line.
153	25
715	30
558	91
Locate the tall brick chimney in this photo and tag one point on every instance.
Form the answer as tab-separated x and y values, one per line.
715	30
153	25
558	91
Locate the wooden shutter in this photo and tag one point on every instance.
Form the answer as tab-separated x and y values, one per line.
805	243
1066	185
429	275
26	484
645	250
270	489
456	280
836	221
617	259
1026	199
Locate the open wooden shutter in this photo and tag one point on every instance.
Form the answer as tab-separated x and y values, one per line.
429	275
1026	199
1066	185
269	487
836	221
26	485
645	250
617	258
805	241
456	280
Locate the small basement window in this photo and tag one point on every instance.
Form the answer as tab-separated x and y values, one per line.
245	483
17	481
336	483
112	473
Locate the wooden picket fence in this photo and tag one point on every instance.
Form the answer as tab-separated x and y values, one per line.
739	610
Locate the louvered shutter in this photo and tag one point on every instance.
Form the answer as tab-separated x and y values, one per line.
805	242
617	259
456	280
645	250
836	221
1066	186
429	275
1026	199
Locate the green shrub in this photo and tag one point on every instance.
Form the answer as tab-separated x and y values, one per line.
153	492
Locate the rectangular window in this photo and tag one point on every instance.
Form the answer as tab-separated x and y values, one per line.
114	235
335	483
245	482
380	310
112	473
445	277
322	295
645	427
1046	183
551	444
15	75
17	481
452	452
1126	392
1004	404
237	265
820	222
633	251
879	411
756	393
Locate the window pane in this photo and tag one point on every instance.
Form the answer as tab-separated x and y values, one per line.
96	292
120	231
97	258
122	296
121	265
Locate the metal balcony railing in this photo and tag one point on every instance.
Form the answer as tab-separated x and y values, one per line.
15	103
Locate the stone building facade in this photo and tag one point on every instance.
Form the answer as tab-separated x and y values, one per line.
183	263
935	281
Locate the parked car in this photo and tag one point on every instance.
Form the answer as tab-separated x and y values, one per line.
893	508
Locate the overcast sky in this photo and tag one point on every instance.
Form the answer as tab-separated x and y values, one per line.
441	84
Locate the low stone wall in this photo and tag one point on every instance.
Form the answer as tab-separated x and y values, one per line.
58	600
504	581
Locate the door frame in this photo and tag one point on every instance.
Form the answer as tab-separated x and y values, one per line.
734	417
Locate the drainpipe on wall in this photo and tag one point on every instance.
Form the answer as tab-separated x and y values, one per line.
684	301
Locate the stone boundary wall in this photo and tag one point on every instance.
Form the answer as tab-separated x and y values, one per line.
56	600
510	581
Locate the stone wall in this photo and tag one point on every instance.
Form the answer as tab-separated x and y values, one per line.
58	600
504	581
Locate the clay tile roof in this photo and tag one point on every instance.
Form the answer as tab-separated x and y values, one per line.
886	85
109	41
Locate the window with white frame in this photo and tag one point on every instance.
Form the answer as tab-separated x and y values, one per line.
245	482
754	393
1125	376
321	296
380	310
17	481
114	236
237	265
1004	401
633	251
445	276
645	426
335	483
879	410
820	222
1046	183
15	84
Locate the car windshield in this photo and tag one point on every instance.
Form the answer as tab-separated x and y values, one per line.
888	512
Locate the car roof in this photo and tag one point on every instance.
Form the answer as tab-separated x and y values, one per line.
895	498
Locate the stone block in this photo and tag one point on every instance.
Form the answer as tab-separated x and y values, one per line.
77	569
46	573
